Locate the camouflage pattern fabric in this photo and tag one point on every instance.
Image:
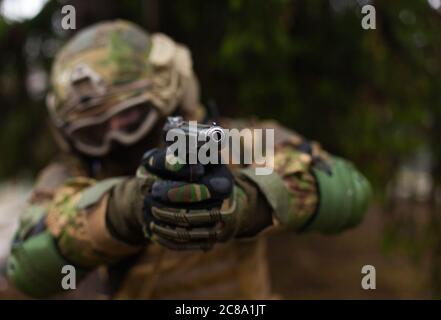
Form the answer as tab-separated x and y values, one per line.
81	232
121	62
66	222
292	165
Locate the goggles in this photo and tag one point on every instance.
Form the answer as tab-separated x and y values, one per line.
125	123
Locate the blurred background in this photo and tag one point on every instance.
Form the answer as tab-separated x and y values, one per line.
372	96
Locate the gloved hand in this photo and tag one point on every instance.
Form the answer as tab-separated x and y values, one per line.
195	206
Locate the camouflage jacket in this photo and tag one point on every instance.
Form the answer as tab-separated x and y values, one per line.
233	270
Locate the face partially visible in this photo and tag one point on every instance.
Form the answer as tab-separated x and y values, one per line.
126	121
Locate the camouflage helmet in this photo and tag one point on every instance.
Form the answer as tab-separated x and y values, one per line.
111	68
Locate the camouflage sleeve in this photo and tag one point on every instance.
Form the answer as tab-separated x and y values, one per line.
310	189
290	190
49	180
77	220
26	259
63	224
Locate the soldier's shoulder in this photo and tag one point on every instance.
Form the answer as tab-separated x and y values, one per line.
56	173
282	134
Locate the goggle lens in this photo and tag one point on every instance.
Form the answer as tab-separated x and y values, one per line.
126	122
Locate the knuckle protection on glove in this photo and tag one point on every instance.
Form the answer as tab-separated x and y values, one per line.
184	218
188	225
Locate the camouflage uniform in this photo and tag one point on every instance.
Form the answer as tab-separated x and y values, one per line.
67	220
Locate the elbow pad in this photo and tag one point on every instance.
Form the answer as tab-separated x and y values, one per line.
344	196
34	266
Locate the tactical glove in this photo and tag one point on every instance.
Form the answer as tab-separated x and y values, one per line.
195	206
125	217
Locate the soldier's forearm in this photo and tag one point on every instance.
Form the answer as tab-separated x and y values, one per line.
70	229
80	225
328	197
344	197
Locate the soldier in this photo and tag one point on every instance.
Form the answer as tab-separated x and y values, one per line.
113	85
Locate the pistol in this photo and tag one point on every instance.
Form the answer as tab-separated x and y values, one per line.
195	136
